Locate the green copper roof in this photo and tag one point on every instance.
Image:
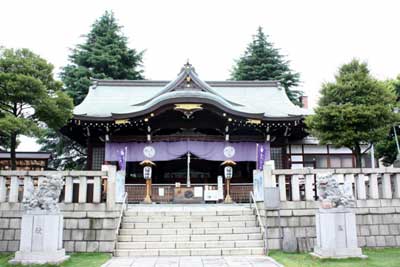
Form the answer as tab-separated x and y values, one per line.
112	99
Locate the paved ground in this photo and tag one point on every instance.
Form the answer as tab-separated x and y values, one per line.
192	261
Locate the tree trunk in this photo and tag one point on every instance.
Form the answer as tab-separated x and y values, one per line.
358	154
13	147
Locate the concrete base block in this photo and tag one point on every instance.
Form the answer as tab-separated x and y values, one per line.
338	254
55	257
336	234
41	239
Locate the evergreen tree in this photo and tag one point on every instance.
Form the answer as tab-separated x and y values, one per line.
386	149
103	55
29	97
354	110
261	61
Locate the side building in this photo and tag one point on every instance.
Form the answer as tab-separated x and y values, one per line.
26	161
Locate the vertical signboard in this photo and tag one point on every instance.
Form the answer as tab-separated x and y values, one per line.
258	185
120	176
262	155
220	188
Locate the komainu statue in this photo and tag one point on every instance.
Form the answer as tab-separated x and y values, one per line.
46	196
332	194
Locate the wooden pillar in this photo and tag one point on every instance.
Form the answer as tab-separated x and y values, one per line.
147	199
228	198
89	162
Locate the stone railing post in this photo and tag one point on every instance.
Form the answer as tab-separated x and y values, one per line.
269	177
386	186
28	186
3	189
349	181
309	187
82	189
69	188
396	185
111	174
373	186
282	187
295	188
361	190
14	189
96	189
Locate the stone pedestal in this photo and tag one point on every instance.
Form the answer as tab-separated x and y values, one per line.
120	186
336	234
41	239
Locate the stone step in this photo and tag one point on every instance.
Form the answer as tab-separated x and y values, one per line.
235	212
194	218
213	237
190	244
189	231
190	252
181	225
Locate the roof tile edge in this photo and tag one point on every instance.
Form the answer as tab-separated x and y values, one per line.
134	83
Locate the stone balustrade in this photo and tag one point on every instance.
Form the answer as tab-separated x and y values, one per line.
300	184
79	186
87	202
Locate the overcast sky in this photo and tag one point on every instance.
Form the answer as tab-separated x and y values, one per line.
316	36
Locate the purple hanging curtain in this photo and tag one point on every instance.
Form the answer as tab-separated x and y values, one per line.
164	151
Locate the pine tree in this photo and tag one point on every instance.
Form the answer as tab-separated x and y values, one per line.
103	55
261	61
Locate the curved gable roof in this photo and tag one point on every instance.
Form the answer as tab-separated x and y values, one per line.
112	99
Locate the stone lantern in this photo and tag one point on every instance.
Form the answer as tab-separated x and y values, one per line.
228	173
147	172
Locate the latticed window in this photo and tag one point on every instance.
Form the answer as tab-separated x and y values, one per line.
98	157
277	156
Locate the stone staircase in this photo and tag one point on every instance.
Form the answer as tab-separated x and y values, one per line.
189	230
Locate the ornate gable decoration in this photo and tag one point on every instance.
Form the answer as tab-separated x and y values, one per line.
188	80
188	83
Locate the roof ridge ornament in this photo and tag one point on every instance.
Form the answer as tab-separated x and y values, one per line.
187	68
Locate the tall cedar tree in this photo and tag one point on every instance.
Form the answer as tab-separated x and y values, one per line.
386	149
103	55
261	61
354	110
29	97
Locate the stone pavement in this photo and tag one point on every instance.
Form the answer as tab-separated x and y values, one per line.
192	261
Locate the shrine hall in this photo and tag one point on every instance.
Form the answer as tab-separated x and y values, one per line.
188	129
